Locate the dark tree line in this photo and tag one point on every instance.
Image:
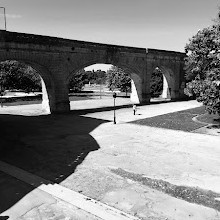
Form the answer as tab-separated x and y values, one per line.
115	78
118	78
15	75
82	77
156	83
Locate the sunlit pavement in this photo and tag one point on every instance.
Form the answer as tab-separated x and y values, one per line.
126	114
36	198
177	157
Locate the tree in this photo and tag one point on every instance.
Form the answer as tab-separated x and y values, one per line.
19	76
117	78
77	81
97	76
156	83
82	77
203	67
100	76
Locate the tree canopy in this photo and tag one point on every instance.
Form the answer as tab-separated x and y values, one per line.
98	77
77	81
15	75
82	77
203	67
117	78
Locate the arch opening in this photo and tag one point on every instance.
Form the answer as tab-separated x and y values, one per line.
23	83
99	81
161	84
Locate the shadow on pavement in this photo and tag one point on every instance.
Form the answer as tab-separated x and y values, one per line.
48	146
111	108
11	191
101	109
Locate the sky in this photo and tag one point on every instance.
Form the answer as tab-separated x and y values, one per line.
158	24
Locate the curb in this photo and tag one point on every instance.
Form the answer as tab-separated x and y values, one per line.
83	202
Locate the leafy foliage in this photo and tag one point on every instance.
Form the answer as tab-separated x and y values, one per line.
77	81
98	77
82	77
156	83
117	78
203	67
18	76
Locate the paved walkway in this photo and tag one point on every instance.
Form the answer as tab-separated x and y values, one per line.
177	157
146	111
38	198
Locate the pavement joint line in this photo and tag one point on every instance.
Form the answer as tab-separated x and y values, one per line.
22	175
76	199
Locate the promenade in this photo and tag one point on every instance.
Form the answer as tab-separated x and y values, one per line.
116	164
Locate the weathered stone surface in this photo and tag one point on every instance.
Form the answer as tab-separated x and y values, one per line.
56	59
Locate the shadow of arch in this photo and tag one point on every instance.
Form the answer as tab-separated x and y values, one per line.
136	82
49	146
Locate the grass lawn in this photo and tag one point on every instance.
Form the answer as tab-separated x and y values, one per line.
181	120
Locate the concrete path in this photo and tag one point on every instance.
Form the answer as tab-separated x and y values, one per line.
180	158
146	111
38	204
43	199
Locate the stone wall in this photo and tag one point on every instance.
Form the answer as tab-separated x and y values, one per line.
56	59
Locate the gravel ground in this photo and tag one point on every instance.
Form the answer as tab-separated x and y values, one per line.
190	194
79	152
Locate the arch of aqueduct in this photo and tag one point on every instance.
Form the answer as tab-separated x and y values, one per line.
56	59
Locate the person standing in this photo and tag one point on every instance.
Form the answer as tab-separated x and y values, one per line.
134	109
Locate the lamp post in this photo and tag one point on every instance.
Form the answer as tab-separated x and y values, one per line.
4	16
2	87
1	94
114	96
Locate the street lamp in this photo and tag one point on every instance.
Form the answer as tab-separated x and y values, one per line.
114	96
2	87
4	16
1	93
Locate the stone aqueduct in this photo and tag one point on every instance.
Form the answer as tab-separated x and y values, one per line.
56	59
